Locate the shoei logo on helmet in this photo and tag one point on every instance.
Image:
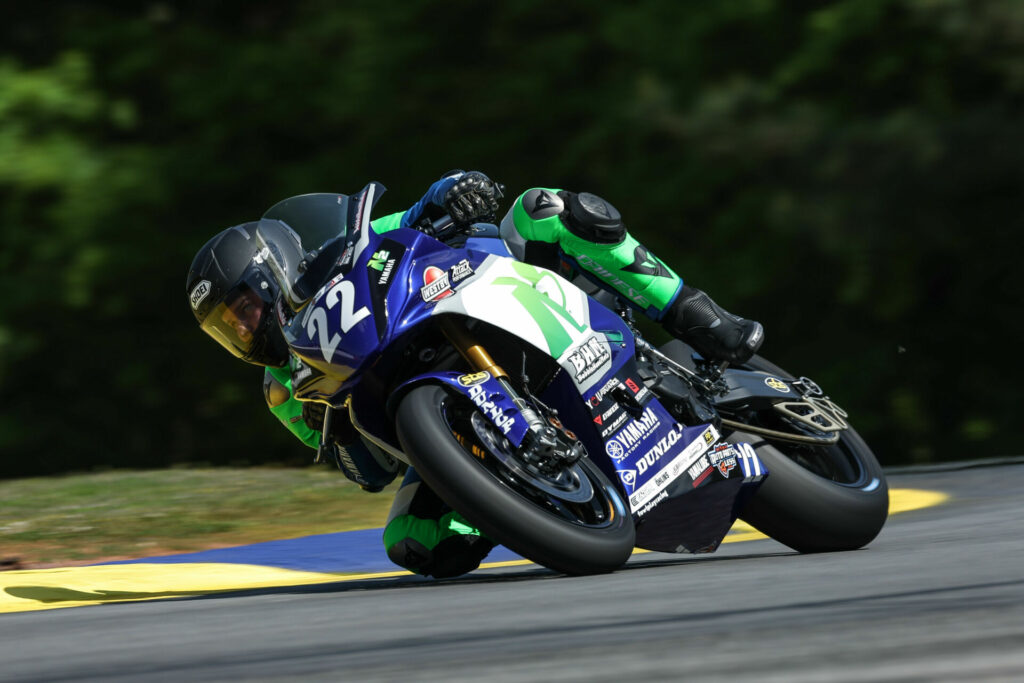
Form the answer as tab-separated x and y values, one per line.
777	384
199	292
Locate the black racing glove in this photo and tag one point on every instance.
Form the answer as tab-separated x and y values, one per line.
473	198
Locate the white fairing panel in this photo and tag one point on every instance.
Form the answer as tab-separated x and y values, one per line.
540	307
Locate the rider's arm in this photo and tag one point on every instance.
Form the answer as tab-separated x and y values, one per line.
277	389
465	196
432	202
388	223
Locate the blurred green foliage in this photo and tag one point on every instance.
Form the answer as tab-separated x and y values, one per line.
849	173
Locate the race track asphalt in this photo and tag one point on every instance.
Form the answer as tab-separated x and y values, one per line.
938	596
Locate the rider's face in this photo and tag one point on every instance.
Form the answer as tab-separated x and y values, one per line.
243	314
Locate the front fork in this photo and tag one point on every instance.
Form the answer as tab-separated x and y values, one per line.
541	446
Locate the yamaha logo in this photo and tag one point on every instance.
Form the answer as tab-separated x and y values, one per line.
615	450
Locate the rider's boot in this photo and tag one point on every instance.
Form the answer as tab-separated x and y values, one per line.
427	537
547	226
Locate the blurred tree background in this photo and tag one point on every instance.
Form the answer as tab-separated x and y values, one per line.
849	173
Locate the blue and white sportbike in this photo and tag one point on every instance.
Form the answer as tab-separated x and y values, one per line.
542	415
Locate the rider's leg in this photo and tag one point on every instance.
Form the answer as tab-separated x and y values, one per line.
427	537
545	224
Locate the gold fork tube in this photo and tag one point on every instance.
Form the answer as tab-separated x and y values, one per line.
475	354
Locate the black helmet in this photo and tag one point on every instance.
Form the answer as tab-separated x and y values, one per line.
232	291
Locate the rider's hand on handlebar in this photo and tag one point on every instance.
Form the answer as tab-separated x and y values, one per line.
473	198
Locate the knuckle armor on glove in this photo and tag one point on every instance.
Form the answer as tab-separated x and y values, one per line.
473	197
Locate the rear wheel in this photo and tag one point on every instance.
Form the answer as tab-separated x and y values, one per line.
572	520
817	497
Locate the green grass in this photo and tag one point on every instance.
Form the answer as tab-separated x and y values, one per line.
50	521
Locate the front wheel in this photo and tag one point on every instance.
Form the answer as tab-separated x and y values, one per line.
574	521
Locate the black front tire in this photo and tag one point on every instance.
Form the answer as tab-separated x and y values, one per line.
501	512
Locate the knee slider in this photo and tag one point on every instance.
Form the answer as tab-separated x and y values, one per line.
410	554
593	218
454	556
457	555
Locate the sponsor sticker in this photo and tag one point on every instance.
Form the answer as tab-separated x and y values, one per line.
589	358
599	395
199	292
699	471
661	448
474	378
494	412
460	271
628	478
681	463
436	284
647	508
723	456
626	440
611	413
614	425
383	263
777	384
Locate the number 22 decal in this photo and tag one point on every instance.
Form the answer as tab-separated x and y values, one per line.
316	322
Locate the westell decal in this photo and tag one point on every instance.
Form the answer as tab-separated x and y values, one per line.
654	455
495	413
589	357
436	284
630	436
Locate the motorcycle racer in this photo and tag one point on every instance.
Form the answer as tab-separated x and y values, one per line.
231	293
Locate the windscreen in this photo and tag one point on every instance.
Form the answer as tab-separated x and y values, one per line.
316	218
311	223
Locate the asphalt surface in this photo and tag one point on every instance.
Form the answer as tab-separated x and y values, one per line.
938	596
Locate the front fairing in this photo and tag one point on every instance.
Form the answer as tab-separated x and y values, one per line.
399	280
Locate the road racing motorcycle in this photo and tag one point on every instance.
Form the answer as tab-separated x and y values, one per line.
542	415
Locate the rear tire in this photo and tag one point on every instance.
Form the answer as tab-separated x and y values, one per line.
475	488
807	510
